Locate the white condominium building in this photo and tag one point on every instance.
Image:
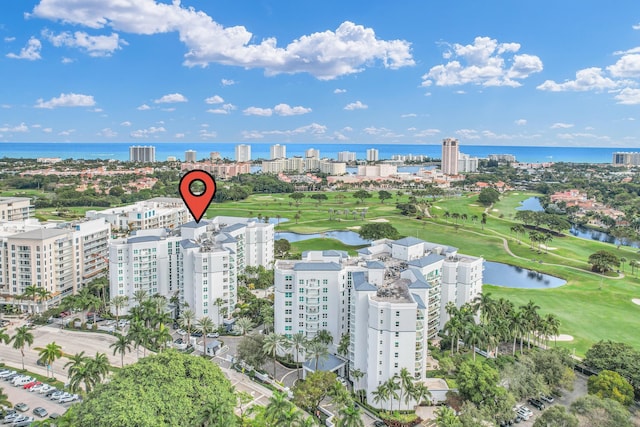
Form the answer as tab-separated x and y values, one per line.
346	156
15	208
159	212
140	153
243	153
58	257
199	262
278	151
467	163
389	300
372	155
450	151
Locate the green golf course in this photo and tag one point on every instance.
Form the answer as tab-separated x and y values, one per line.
590	306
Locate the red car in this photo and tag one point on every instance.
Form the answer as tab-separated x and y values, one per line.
27	386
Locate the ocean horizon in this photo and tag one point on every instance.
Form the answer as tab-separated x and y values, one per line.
120	150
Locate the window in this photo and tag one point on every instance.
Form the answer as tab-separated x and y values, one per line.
288	311
325	281
380	352
396	344
287	304
301	282
288	320
301	299
301	324
288	294
301	290
397	314
325	290
397	334
325	299
396	355
395	365
397	324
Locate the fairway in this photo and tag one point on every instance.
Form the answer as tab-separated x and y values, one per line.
591	307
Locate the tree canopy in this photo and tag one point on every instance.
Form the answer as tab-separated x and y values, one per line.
488	196
617	357
603	261
612	385
164	390
378	230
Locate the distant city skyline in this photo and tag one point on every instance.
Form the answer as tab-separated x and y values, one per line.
143	72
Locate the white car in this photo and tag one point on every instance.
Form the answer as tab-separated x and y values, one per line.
23	381
6	374
36	387
64	396
46	388
68	399
57	395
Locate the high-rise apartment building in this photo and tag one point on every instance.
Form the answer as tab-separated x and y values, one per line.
372	155
278	152
60	258
389	300
144	154
158	212
346	156
190	156
450	151
626	159
243	153
199	262
467	163
312	153
15	208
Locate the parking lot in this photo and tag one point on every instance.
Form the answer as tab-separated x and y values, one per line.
34	400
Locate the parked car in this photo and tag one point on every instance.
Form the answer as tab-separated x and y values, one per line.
196	334
213	335
379	423
182	332
54	416
40	411
536	403
22	407
63	396
8	419
11	376
37	387
31	384
56	395
51	392
548	399
17	419
69	398
22	381
23	423
6	374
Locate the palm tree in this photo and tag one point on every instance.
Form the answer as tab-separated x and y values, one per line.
205	325
446	417
406	381
187	319
218	303
139	335
118	302
121	345
31	292
210	415
357	374
380	394
276	408
486	306
392	391
4	336
74	363
139	296
243	325
22	337
50	354
4	400
317	350
161	336
517	328
298	342
324	337
553	324
43	294
530	314
473	338
96	370
272	343
419	391
349	417
454	328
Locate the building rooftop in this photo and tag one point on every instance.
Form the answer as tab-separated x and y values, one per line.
426	260
144	239
360	282
408	241
316	266
328	363
394	292
419	301
41	234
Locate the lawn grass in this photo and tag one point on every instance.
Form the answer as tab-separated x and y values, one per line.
590	307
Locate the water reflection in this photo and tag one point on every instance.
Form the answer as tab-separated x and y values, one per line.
496	273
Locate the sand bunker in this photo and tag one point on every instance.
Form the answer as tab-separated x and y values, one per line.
562	337
437	207
355	227
494	210
636	301
473	204
379	220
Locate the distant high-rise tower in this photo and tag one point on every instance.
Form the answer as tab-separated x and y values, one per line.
372	155
243	153
190	156
312	153
278	152
139	153
346	156
450	151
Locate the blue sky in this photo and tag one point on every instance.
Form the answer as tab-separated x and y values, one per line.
548	73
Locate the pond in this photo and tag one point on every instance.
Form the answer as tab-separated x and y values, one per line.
347	237
601	236
530	204
509	276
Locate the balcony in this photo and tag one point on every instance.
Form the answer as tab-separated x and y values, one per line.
419	356
313	301
419	326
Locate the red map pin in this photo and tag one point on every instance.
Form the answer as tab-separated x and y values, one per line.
197	203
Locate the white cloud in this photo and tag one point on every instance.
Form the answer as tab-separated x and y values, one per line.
108	133
36	126
5	106
171	98
314	129
144	107
404	116
381	132
586	79
96	110
521	122
582	135
67	100
215	99
21	128
47	130
169	109
339	91
125	123
179	135
347	129
468	133
144	133
636	27
208	134
30	52
93	45
227	82
356	106
286	110
628	96
426	132
66	132
561	125
257	111
626	66
485	62
66	60
339	136
460	92
325	55
9	39
226	109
